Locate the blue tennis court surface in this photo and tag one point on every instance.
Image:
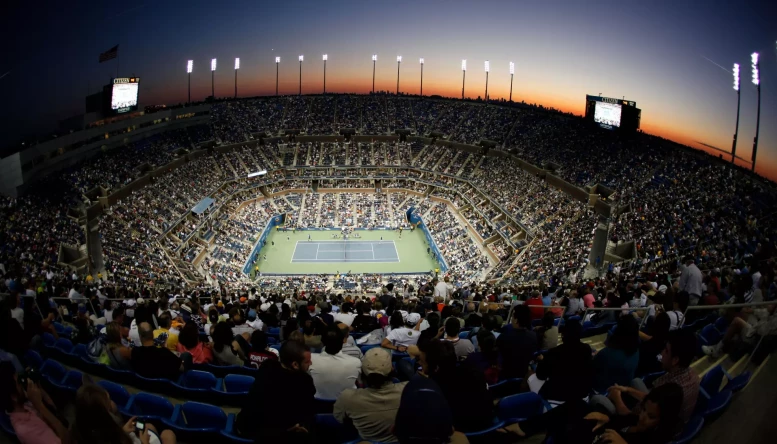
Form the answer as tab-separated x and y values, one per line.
345	251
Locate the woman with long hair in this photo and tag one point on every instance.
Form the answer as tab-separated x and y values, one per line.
115	354
189	341
617	362
226	350
95	422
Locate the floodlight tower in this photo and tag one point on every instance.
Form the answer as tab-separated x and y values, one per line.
374	59
189	66
512	71
422	76
757	83
487	65
277	62
212	78
237	66
463	76
301	57
399	61
325	57
736	128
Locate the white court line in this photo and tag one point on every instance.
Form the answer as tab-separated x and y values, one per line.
317	247
372	248
294	253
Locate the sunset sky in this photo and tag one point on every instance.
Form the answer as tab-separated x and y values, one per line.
662	54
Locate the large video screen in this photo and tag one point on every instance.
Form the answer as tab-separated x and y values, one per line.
608	114
124	96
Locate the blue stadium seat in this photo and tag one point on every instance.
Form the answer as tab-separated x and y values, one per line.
69	385
274	332
229	434
710	335
195	379
149	407
721	324
120	376
463	334
480	434
197	422
59	328
156	385
238	383
713	380
505	388
119	395
324	405
80	351
52	372
364	348
712	407
690	431
650	377
516	408
33	359
328	429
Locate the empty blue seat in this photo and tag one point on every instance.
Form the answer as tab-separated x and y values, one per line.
364	348
690	431
33	359
150	407
712	407
197	422
120	376
516	408
80	351
52	371
238	383
119	395
721	324
712	380
710	335
229	434
63	345
48	339
195	379
505	388
328	429
69	384
157	385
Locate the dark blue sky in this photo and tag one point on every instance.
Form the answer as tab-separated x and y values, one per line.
651	52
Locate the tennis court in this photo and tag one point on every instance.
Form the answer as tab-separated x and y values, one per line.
345	251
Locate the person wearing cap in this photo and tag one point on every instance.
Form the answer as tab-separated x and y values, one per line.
404	333
372	409
332	370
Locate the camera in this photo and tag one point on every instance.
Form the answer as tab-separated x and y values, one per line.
29	374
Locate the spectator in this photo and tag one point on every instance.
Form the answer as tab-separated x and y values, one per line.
372	409
348	348
677	314
547	333
26	405
691	281
463	385
345	315
240	326
226	349
652	345
553	380
285	398
312	340
486	358
575	305
463	347
332	370
403	333
189	342
676	360
617	363
433	330
518	345
761	322
165	328
260	351
535	301
364	323
95	422
150	361
424	416
115	353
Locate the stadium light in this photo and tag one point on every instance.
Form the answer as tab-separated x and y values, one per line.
325	57
422	75
399	61
463	76
757	83
189	67
301	58
487	66
374	59
277	63
237	66
736	128
213	78
512	72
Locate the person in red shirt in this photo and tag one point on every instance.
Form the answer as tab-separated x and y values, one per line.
535	299
259	350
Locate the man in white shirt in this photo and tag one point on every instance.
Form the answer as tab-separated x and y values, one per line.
332	370
75	294
691	280
346	315
442	289
401	338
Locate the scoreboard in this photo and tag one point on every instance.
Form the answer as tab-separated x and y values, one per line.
124	95
612	114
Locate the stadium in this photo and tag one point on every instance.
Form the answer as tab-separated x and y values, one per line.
381	266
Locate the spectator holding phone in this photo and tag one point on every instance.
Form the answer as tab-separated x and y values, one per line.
95	424
27	405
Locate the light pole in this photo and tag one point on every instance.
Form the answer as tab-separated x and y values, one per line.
325	57
512	71
757	83
301	57
736	128
212	78
237	66
374	59
422	76
487	67
399	61
189	66
277	62
463	76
